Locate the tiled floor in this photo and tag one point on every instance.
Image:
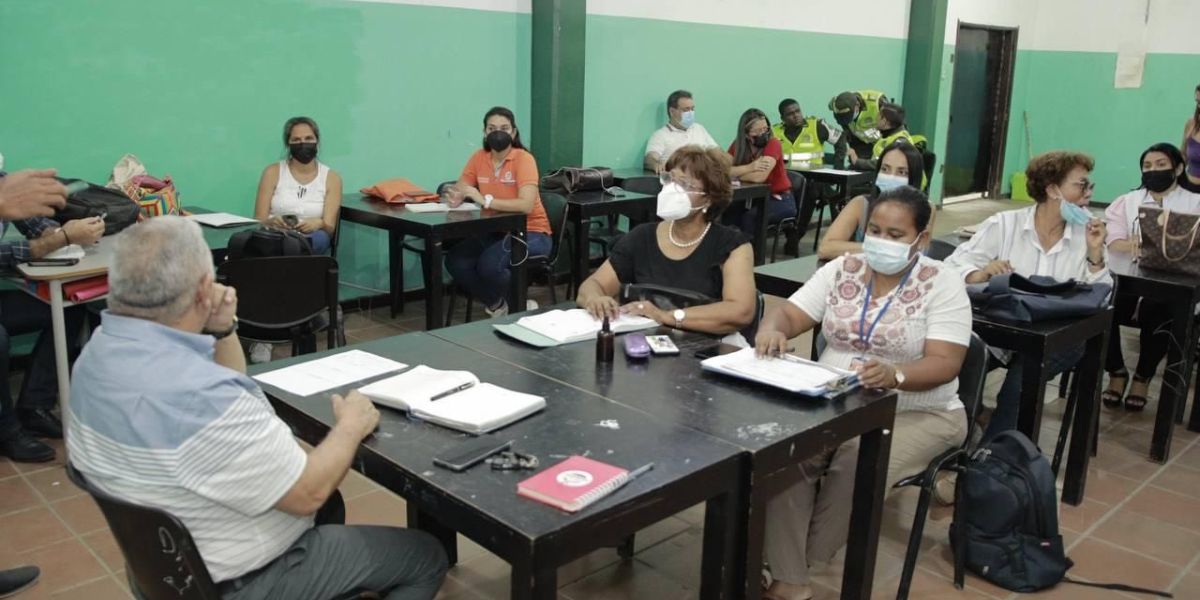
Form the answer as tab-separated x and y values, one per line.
1140	524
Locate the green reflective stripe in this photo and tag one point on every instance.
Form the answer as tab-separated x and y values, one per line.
807	147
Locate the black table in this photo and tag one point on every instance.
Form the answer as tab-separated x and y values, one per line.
776	430
1181	292
435	228
844	181
482	504
622	176
1034	342
582	206
217	238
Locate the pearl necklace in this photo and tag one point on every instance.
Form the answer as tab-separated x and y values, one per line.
671	236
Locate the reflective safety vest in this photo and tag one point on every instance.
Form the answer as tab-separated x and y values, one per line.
865	127
807	151
917	140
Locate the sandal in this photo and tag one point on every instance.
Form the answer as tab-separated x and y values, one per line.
1111	398
1134	402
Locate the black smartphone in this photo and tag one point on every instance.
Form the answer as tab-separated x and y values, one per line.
708	352
471	452
53	262
291	220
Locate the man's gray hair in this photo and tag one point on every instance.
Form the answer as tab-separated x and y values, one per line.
156	268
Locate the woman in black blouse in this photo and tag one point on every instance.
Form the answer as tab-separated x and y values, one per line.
690	249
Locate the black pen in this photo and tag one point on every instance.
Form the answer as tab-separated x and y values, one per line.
451	392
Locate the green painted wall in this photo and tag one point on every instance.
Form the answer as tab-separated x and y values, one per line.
632	64
202	94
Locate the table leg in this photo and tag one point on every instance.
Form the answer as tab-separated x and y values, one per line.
760	230
866	514
58	323
534	581
579	266
419	519
753	517
396	271
434	288
1189	355
1033	393
1174	386
1087	408
720	559
519	280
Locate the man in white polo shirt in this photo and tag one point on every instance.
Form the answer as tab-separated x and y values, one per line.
681	130
162	414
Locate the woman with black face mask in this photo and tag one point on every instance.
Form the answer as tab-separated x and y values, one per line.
300	192
758	158
1162	165
503	176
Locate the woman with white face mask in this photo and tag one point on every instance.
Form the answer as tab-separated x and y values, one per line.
900	164
690	249
903	321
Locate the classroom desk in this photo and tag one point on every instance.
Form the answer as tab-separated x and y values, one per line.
435	229
1182	293
1034	342
776	430
844	181
621	176
482	504
583	206
217	238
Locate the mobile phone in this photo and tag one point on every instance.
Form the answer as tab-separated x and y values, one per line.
662	344
53	262
76	186
708	352
636	346
291	220
471	452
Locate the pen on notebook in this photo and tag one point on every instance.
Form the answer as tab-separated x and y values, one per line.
642	470
451	392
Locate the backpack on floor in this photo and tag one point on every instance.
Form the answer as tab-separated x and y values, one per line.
1005	527
265	242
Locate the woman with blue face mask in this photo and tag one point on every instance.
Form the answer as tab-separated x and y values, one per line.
903	321
1057	237
689	250
900	164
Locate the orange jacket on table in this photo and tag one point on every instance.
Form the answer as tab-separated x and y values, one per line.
399	190
518	169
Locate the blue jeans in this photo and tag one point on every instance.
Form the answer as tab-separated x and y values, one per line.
481	265
1008	402
778	209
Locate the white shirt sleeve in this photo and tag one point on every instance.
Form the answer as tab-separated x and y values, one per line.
983	247
813	296
657	144
706	139
948	318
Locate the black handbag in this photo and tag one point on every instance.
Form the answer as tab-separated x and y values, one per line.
267	242
569	180
118	209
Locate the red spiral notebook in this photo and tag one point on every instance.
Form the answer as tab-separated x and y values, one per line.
573	483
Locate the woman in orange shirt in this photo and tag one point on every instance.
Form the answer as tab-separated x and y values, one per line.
502	176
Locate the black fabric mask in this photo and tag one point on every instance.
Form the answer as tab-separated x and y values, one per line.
498	141
844	119
760	140
303	152
1158	181
889	132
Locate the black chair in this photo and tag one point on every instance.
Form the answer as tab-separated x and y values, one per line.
929	159
940	249
286	299
790	225
161	559
971	381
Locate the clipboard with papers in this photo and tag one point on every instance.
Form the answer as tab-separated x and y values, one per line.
787	372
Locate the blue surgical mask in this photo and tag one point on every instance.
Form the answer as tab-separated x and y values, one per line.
885	256
687	119
1073	214
887	183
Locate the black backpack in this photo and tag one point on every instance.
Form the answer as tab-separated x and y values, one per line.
265	243
1005	527
118	209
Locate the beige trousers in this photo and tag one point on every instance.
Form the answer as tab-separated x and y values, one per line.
808	522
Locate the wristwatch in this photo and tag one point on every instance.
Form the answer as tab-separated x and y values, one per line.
679	315
899	376
220	335
487	200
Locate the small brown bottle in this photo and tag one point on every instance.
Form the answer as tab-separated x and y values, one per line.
605	343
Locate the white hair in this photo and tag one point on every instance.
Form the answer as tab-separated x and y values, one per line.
157	266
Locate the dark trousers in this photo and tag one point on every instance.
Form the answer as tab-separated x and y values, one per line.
21	313
1008	401
1153	320
481	265
778	209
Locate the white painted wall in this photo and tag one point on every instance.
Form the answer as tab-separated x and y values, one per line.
873	18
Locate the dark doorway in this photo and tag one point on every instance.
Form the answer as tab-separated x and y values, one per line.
980	100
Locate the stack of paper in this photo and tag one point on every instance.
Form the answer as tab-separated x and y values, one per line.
787	372
454	399
308	378
426	207
576	324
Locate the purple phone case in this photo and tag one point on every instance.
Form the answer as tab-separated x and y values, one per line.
636	346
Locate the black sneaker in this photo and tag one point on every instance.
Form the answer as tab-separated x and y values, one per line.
15	581
22	447
42	423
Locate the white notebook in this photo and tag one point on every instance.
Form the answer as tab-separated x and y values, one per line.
575	325
791	373
454	399
425	207
221	219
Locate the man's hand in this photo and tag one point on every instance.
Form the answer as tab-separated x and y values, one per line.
356	413
31	193
222	308
852	155
85	232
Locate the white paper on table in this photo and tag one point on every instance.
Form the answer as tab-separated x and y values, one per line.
220	219
71	251
308	378
428	207
838	171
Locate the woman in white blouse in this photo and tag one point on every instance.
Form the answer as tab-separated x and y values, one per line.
1161	164
1056	237
903	321
301	192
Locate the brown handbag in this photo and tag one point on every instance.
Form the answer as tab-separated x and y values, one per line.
569	180
1168	240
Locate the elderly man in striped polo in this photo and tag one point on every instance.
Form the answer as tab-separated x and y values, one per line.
162	414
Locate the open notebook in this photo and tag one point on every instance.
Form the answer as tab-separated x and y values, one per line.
454	399
556	327
788	372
